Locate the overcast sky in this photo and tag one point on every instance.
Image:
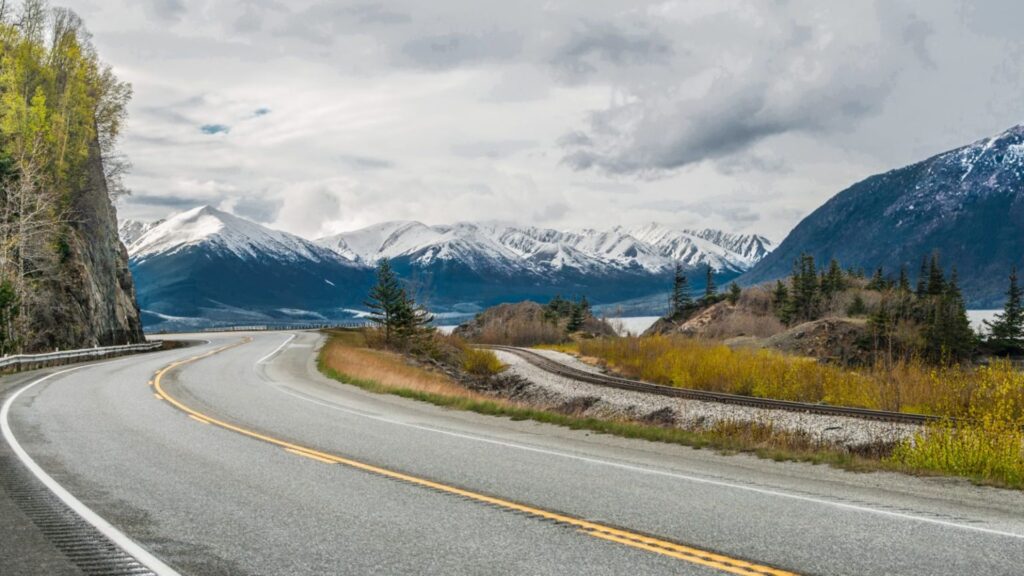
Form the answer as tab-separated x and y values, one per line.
318	117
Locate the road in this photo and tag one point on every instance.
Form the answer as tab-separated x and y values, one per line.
281	471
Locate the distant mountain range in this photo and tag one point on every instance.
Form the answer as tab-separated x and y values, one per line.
967	204
206	266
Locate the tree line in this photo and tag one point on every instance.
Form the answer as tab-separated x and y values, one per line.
926	318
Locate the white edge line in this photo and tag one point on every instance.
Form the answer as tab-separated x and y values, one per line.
104	527
276	350
641	469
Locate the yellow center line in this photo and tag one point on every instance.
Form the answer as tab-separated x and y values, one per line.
312	456
608	533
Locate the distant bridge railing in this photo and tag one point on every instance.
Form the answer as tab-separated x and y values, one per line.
274	327
19	362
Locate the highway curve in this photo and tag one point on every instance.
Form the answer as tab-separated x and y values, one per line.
242	459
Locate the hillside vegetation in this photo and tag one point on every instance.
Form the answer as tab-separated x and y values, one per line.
63	279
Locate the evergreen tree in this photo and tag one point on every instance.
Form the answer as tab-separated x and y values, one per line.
833	281
709	286
734	293
1006	331
780	302
948	335
936	280
386	301
680	299
805	293
877	282
922	279
857	307
410	319
904	283
882	324
576	318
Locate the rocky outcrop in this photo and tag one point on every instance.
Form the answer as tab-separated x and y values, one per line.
90	301
526	324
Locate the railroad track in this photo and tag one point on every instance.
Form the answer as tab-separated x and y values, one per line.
559	369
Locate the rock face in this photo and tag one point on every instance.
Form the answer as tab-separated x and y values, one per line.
967	204
91	301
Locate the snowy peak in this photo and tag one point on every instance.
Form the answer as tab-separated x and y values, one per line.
500	246
214	229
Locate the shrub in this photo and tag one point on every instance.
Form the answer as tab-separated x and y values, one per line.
481	362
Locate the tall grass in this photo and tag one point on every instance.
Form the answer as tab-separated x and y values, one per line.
981	437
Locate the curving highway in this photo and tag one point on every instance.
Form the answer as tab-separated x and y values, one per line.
237	457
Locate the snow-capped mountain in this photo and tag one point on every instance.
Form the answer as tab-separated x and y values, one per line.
132	230
217	230
208	265
967	204
652	248
205	265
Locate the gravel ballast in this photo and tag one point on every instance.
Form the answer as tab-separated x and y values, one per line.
596	401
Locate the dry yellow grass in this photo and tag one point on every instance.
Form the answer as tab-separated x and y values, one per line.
389	369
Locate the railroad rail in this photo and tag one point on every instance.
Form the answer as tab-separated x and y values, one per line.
560	369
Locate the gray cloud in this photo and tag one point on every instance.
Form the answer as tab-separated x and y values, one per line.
802	81
443	51
164	10
597	44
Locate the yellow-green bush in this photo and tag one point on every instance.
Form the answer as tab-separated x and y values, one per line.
481	362
691	363
986	442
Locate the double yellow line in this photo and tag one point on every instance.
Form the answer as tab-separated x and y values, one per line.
617	535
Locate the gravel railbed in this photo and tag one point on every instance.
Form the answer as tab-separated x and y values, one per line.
603	402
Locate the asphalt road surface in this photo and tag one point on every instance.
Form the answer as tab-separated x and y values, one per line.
247	461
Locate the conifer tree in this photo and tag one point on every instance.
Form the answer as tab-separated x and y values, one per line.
904	283
780	302
936	280
833	283
857	307
948	335
576	318
709	287
386	301
680	299
1006	331
877	280
805	293
410	319
734	293
922	279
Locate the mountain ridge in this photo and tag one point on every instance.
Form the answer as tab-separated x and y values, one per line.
182	265
966	203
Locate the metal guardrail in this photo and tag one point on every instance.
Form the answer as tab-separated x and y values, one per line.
560	369
268	327
30	361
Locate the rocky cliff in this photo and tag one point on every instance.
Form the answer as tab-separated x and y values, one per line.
91	301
